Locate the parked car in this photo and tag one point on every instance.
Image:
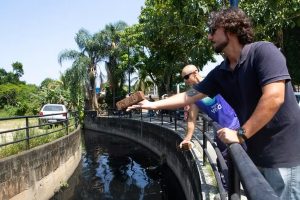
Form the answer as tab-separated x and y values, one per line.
51	113
297	94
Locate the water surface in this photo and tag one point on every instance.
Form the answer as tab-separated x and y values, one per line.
119	169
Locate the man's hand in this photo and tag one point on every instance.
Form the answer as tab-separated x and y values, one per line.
228	136
186	144
183	142
187	108
145	104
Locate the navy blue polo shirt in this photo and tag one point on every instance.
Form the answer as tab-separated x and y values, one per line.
261	63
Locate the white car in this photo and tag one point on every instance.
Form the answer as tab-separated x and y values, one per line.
297	94
48	112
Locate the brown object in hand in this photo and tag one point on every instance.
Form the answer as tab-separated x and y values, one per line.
131	100
186	146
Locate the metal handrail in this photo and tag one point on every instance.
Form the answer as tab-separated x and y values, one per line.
255	185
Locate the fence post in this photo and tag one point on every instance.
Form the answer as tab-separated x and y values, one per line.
76	119
175	120
67	124
204	129
27	134
141	114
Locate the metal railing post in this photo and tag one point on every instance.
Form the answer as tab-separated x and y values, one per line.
175	120
27	134
76	119
67	124
204	130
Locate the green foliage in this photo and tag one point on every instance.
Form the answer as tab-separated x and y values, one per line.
278	21
271	17
120	94
18	69
12	149
53	92
46	82
12	77
169	35
22	146
18	99
8	93
91	51
291	51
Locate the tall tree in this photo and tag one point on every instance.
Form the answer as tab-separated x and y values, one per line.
18	69
91	51
278	21
14	76
172	34
114	50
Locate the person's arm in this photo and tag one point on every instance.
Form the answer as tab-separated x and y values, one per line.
193	113
175	101
268	105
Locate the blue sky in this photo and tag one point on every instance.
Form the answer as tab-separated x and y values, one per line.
34	32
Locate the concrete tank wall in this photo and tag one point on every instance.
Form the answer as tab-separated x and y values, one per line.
162	141
39	172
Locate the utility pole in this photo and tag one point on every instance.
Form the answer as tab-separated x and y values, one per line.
128	71
234	3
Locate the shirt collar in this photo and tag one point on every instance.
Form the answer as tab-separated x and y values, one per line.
244	55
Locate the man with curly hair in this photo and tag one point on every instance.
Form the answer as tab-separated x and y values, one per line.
255	81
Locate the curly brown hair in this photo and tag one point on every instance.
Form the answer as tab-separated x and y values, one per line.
233	20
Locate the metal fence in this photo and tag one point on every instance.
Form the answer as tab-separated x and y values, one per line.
26	128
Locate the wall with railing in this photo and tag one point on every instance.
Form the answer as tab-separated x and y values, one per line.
28	131
38	172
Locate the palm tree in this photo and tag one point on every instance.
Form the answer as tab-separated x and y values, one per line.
114	50
91	51
142	82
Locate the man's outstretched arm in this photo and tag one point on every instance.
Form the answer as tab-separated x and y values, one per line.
173	102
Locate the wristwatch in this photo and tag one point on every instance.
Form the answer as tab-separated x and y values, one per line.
241	133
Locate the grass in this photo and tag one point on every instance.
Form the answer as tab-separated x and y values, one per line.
211	174
3	113
11	149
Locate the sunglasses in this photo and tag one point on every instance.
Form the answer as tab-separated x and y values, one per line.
212	30
186	77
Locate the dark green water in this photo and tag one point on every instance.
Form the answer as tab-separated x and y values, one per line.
114	168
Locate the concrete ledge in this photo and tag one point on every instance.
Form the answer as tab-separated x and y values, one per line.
38	173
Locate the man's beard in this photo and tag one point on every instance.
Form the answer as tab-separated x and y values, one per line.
219	48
